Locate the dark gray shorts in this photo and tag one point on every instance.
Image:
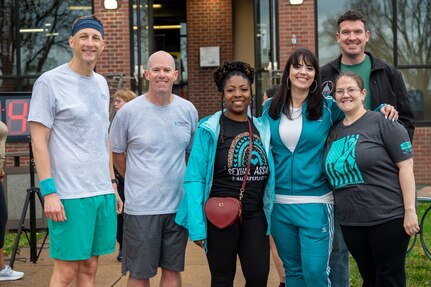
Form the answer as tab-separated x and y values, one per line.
152	241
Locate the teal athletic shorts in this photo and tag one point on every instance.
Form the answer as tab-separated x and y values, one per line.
90	228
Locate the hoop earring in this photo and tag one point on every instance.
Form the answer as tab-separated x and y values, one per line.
315	87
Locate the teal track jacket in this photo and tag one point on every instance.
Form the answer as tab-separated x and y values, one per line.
199	176
301	173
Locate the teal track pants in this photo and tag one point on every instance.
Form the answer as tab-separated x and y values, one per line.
303	235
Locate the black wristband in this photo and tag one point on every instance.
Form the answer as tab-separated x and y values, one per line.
115	180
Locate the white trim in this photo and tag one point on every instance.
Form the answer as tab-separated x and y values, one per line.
295	199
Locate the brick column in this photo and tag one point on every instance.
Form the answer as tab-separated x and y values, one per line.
209	23
115	59
422	155
298	20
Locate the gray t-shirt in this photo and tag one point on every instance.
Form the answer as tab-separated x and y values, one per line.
76	109
360	163
156	139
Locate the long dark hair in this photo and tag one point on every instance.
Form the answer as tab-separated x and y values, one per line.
283	98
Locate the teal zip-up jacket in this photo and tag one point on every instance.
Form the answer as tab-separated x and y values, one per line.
301	173
199	176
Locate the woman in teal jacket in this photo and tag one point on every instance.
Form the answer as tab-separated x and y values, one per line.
302	219
213	170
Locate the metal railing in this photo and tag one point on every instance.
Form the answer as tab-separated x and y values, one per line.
421	233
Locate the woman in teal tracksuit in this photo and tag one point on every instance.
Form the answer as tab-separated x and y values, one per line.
300	119
220	140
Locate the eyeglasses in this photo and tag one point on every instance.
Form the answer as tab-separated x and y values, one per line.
118	101
350	91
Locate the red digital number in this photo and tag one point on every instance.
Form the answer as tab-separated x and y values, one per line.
17	111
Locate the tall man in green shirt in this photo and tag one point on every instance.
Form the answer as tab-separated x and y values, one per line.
383	83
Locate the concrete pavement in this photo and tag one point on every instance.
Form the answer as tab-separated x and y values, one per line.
196	272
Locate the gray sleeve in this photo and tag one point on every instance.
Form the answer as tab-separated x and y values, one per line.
118	135
194	123
42	104
396	140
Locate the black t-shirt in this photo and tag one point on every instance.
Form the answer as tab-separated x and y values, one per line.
231	162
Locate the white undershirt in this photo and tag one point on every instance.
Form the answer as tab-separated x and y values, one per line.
290	130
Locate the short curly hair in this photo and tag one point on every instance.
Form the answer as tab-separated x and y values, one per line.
229	69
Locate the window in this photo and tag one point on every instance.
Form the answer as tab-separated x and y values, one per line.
409	34
266	48
38	39
413	29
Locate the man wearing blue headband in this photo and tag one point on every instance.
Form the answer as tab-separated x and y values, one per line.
69	128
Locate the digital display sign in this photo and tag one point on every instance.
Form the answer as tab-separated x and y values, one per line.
14	107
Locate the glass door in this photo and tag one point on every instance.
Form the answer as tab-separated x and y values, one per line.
159	25
266	53
141	39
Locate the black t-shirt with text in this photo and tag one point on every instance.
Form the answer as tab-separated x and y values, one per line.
231	163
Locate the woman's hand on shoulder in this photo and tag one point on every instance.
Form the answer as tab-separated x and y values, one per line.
389	112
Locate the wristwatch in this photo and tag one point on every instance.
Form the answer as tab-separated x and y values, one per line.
115	180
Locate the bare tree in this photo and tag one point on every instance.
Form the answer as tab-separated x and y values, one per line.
6	38
40	50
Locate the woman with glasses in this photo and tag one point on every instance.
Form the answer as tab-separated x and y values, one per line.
121	97
368	161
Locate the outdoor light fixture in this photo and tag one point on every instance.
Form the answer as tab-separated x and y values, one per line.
78	8
110	4
32	30
293	2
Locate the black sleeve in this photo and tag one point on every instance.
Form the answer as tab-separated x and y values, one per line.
403	104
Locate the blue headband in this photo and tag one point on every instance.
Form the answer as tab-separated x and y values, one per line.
88	23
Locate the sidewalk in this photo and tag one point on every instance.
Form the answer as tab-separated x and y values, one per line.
424	191
196	272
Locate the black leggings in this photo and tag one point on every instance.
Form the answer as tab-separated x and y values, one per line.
120	189
3	215
379	251
249	241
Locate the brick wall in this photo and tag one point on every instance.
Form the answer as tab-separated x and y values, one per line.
422	155
22	161
115	59
295	20
209	23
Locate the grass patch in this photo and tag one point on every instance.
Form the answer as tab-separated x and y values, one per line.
418	265
10	238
